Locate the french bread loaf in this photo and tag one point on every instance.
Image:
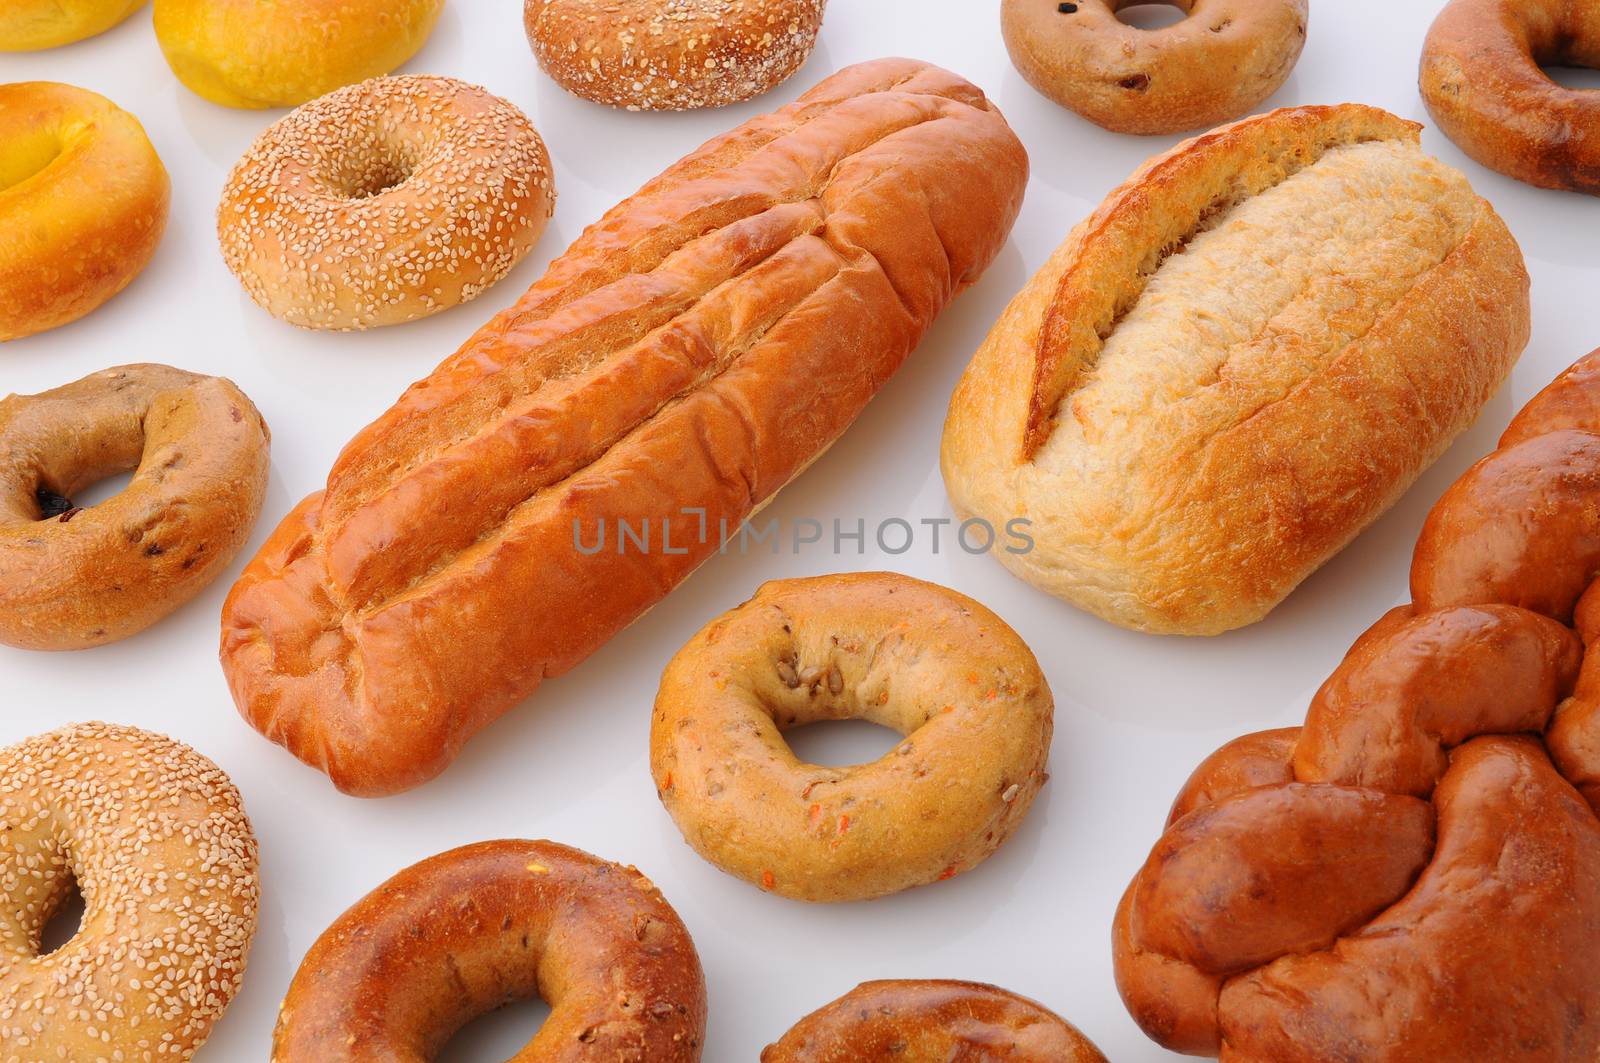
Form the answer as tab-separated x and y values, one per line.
694	349
1242	358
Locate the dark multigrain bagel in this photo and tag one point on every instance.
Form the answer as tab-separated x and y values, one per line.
1482	82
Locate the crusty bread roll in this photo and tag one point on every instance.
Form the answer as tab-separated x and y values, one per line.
694	350
1236	363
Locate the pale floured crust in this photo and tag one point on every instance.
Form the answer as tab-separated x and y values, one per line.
1313	310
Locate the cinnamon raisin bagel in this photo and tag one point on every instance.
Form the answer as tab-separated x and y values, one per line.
932	1022
465	932
1482	82
1218	63
671	55
72	577
917	658
157	843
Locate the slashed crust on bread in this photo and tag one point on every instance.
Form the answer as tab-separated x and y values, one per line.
1235	364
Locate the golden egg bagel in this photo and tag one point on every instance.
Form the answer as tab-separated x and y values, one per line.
244	53
83	203
33	25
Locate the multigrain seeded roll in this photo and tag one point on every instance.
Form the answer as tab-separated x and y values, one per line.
385	202
671	55
156	841
1234	365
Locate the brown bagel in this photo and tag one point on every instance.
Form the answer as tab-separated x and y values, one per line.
927	662
1216	64
932	1022
465	932
1482	82
71	577
671	55
157	843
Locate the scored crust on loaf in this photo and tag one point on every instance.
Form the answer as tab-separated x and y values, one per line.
1236	363
696	347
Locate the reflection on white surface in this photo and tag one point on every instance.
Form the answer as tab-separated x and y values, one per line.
1134	714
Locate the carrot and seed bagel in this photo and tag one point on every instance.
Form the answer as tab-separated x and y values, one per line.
1482	82
927	662
83	204
470	930
1216	64
385	202
71	577
671	55
156	840
33	25
932	1022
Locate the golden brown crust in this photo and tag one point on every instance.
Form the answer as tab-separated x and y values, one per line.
1482	80
654	368
470	930
671	55
71	577
1416	875
1195	503
244	53
83	204
932	1022
156	841
385	202
31	25
960	686
1218	63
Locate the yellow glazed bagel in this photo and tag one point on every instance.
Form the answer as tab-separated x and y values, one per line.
1218	63
31	25
156	840
384	202
927	662
83	203
249	53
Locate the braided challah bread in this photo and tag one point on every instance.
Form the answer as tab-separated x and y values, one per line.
1414	874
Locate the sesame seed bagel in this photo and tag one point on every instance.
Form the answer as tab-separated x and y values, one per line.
72	577
83	204
671	55
932	1022
1218	63
917	658
155	838
470	930
385	202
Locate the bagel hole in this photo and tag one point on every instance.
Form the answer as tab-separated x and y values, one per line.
22	157
63	924
496	1035
377	175
103	490
1151	16
841	743
1580	78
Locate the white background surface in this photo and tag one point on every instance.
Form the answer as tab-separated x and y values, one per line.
1134	713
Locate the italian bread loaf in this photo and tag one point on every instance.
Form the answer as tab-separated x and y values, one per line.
695	349
1242	358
